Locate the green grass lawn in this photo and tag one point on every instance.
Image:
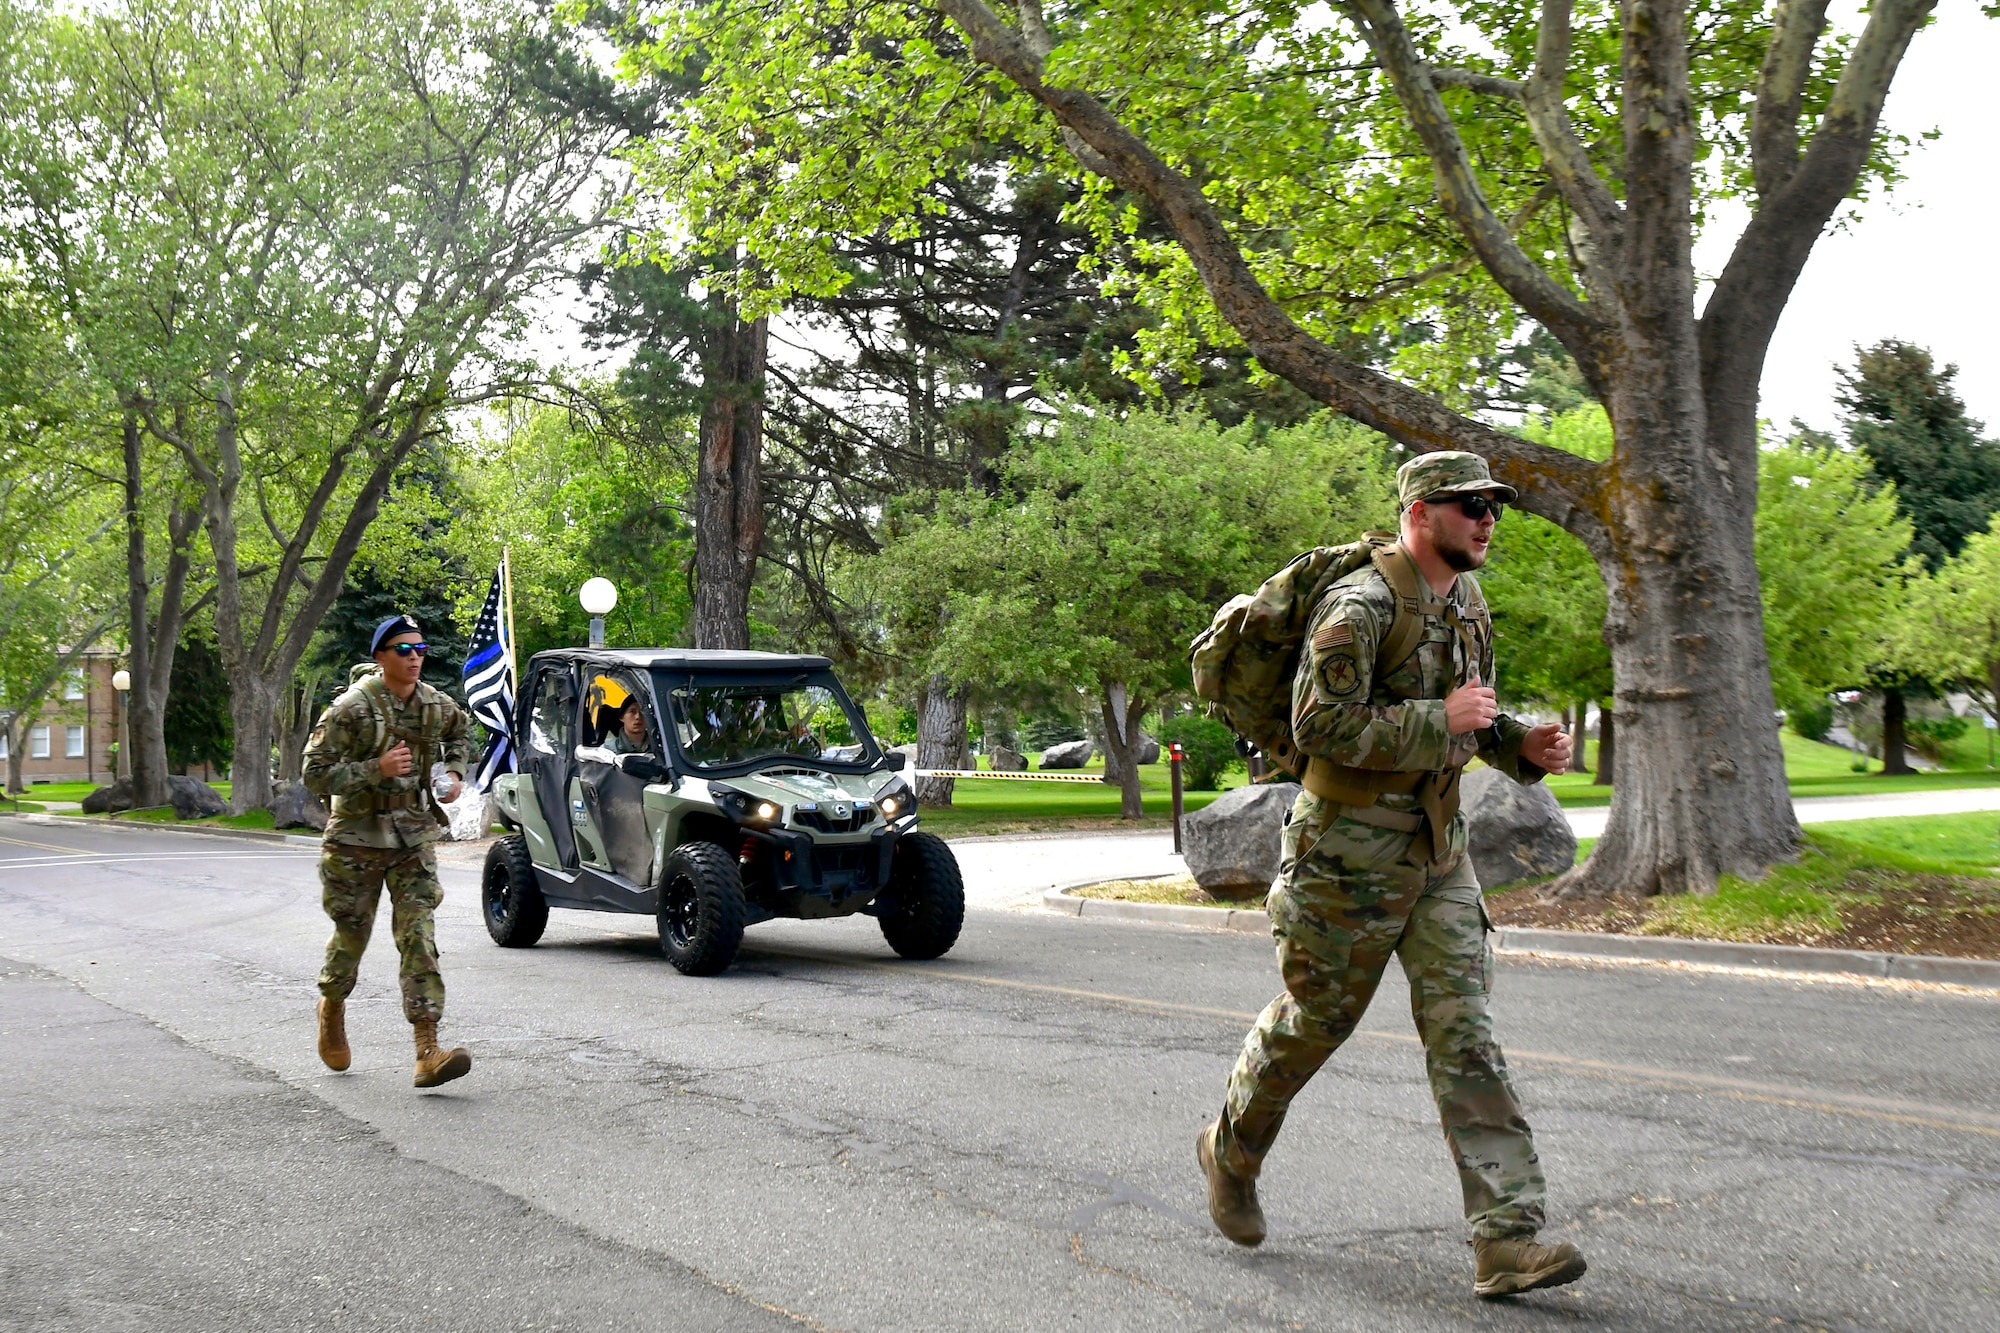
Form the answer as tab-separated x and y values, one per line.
1010	806
76	791
255	819
1916	884
1814	769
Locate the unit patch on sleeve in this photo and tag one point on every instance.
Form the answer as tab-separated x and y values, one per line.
1340	677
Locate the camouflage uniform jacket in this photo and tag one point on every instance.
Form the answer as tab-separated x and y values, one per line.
343	761
1355	711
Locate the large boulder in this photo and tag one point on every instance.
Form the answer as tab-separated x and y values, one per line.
1007	761
1236	842
109	800
1149	749
1516	832
296	807
1070	754
194	800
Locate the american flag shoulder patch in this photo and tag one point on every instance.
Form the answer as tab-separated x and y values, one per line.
1333	634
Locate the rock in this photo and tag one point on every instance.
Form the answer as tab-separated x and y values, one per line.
1234	843
107	800
1149	749
1516	832
296	807
194	800
1007	761
1072	754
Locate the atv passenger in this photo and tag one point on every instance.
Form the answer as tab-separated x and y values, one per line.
632	735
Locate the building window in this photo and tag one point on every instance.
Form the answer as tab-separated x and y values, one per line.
73	686
38	743
72	742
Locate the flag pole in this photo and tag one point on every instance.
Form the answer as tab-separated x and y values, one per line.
507	594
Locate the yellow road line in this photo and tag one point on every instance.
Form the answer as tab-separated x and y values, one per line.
1954	1118
42	846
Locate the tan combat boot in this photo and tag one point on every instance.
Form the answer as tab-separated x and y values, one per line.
1519	1264
1232	1199
333	1035
433	1065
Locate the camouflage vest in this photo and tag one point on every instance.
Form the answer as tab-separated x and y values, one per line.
1244	662
370	693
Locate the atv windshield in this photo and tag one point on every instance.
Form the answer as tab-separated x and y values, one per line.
731	722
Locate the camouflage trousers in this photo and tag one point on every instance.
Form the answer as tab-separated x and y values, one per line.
1345	900
351	883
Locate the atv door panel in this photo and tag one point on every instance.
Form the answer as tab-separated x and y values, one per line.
551	734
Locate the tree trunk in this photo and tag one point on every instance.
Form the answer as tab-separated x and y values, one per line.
1578	762
1895	733
253	712
296	715
1702	792
940	738
729	501
1607	743
17	735
1122	713
152	639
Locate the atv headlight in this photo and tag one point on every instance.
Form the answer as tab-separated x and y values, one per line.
766	810
743	807
895	799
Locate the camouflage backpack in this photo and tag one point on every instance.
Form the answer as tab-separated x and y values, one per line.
1245	660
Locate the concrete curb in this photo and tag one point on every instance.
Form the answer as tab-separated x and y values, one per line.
1977	973
103	821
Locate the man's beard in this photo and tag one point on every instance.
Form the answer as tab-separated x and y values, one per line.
1460	556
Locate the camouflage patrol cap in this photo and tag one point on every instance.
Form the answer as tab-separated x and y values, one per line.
1451	472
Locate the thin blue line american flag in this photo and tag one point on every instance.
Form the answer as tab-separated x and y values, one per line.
489	688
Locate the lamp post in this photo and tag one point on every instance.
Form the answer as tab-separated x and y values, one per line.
121	681
598	597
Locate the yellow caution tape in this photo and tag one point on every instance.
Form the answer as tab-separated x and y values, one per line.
986	774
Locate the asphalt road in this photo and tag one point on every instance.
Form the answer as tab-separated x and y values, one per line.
829	1137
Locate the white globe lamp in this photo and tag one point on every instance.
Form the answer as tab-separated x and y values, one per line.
598	597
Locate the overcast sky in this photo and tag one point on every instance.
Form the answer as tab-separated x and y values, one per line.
1923	264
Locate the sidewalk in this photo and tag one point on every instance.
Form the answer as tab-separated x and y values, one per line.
1014	870
1589	822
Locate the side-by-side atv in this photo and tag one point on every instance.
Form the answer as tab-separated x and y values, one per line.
711	790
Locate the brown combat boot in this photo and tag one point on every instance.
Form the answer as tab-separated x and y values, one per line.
433	1065
333	1035
1518	1264
1232	1199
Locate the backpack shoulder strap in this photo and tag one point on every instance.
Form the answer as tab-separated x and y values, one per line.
376	691
1413	601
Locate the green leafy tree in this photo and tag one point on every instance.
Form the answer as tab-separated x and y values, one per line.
1831	555
1951	630
1460	167
1904	414
1110	545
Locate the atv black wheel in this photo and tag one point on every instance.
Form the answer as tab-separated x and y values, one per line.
516	913
926	898
701	909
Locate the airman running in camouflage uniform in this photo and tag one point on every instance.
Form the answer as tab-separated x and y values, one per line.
372	752
1374	864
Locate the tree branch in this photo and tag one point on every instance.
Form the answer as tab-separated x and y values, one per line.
1557	485
1781	86
1742	313
1579	328
1490	84
1563	154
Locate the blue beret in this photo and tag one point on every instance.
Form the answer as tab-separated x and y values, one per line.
389	629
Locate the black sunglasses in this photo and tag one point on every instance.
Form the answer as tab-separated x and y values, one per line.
405	649
1475	507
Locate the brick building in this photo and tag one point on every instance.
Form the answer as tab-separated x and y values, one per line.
71	739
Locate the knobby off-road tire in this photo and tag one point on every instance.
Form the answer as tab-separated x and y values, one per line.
701	909
510	899
928	898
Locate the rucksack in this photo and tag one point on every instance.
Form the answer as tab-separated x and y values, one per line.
365	681
1245	660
